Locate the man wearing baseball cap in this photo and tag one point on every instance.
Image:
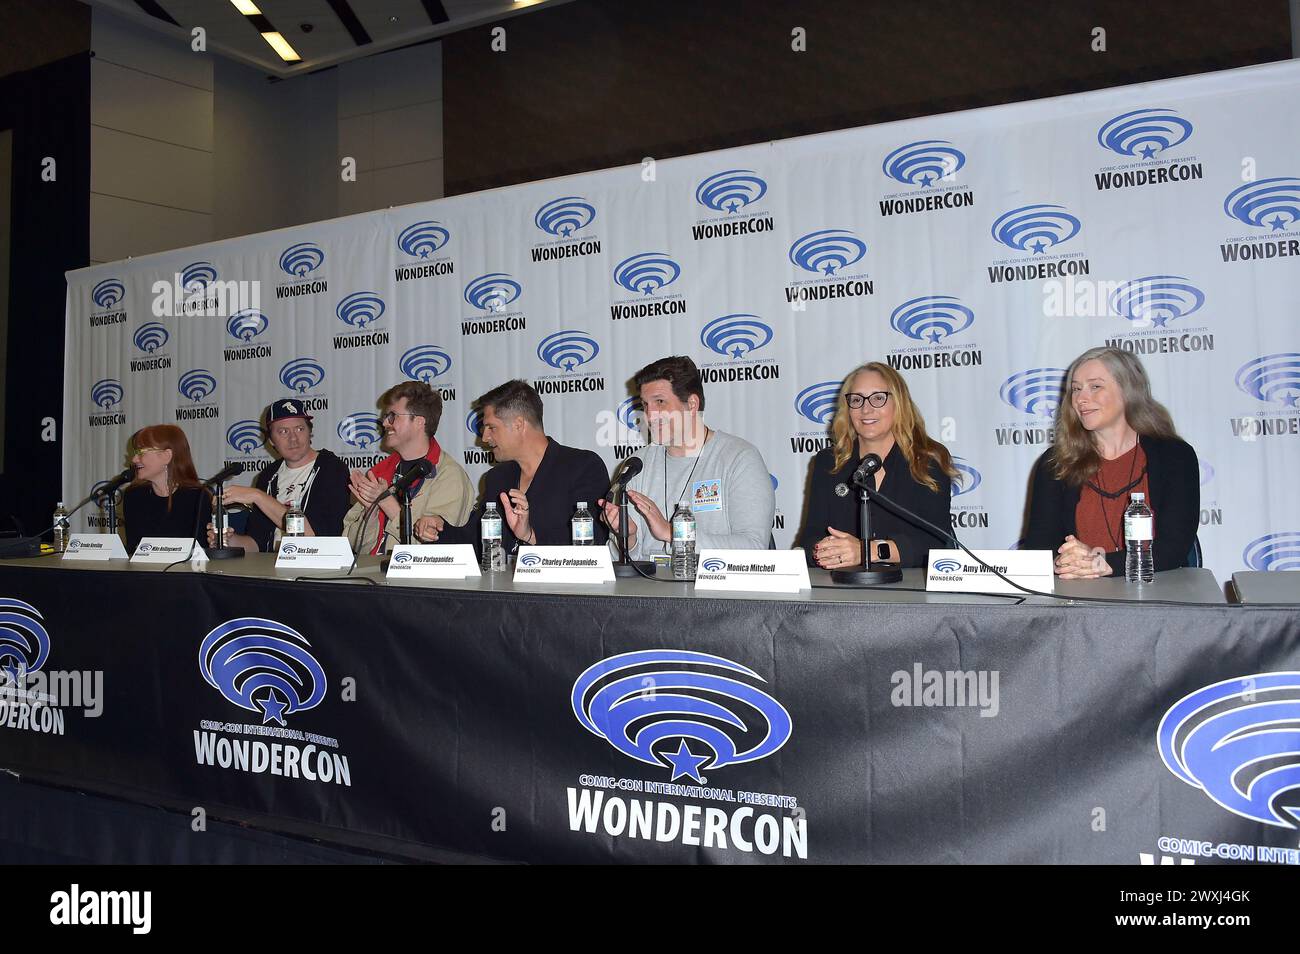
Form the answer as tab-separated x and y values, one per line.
314	479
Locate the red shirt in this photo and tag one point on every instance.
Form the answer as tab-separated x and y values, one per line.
1099	519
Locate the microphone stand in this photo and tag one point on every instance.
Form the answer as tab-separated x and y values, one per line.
221	551
871	572
626	566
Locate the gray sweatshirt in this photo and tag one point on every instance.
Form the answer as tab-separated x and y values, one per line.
729	489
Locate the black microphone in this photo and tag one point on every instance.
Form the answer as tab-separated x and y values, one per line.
402	482
870	464
221	476
111	487
629	469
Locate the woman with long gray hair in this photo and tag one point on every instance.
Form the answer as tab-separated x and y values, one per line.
1113	439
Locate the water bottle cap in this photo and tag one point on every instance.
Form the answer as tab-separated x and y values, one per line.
582	505
1138	496
491	505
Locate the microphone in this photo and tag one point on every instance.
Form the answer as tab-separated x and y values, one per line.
221	476
113	485
629	469
401	483
870	464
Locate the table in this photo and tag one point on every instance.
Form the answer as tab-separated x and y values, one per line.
639	721
1259	586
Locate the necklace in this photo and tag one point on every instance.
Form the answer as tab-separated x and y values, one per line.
707	434
1113	536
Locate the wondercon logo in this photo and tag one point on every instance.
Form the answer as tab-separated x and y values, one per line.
1144	131
106	393
1272	378
968	477
646	273
1035	227
150	337
530	559
360	309
946	565
730	191
714	565
302	375
1273	551
197	276
145	548
288	549
1036	391
563	217
423	239
818	402
492	292
567	350
827	251
360	429
244	436
735	336
246	325
24	641
108	293
643	702
931	318
1238	741
1207	472
1272	203
474	423
424	363
301	259
1157	298
262	666
403	557
629	413
196	384
924	162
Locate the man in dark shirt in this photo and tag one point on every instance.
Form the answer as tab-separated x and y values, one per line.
536	483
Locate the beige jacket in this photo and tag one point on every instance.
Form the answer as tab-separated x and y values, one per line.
449	495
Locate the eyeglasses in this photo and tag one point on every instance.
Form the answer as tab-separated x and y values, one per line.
875	399
141	451
394	415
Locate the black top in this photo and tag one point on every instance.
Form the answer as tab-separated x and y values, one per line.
914	541
145	514
1174	477
327	500
564	476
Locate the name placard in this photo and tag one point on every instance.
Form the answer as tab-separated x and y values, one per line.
433	561
95	546
954	570
753	571
313	553
563	565
167	550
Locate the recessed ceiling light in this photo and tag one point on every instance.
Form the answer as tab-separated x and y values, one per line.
247	7
282	47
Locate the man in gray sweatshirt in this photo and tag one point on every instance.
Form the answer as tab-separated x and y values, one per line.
722	477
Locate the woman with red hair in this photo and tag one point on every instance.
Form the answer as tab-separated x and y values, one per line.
166	496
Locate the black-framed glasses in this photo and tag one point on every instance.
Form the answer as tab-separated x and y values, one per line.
394	415
875	399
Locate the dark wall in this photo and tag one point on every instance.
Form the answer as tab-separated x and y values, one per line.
598	83
48	109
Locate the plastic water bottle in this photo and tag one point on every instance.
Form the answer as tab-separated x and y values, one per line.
494	555
60	527
683	545
295	521
1139	537
584	527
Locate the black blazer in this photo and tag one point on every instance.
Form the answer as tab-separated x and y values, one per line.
146	515
564	476
914	541
327	500
1174	477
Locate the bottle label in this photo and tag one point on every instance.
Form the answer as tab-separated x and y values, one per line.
491	528
1138	528
683	531
584	530
295	524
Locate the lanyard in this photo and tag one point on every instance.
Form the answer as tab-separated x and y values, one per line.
707	433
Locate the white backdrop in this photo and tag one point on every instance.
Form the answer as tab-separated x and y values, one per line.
936	243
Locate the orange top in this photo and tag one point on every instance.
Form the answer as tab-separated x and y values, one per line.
1099	518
